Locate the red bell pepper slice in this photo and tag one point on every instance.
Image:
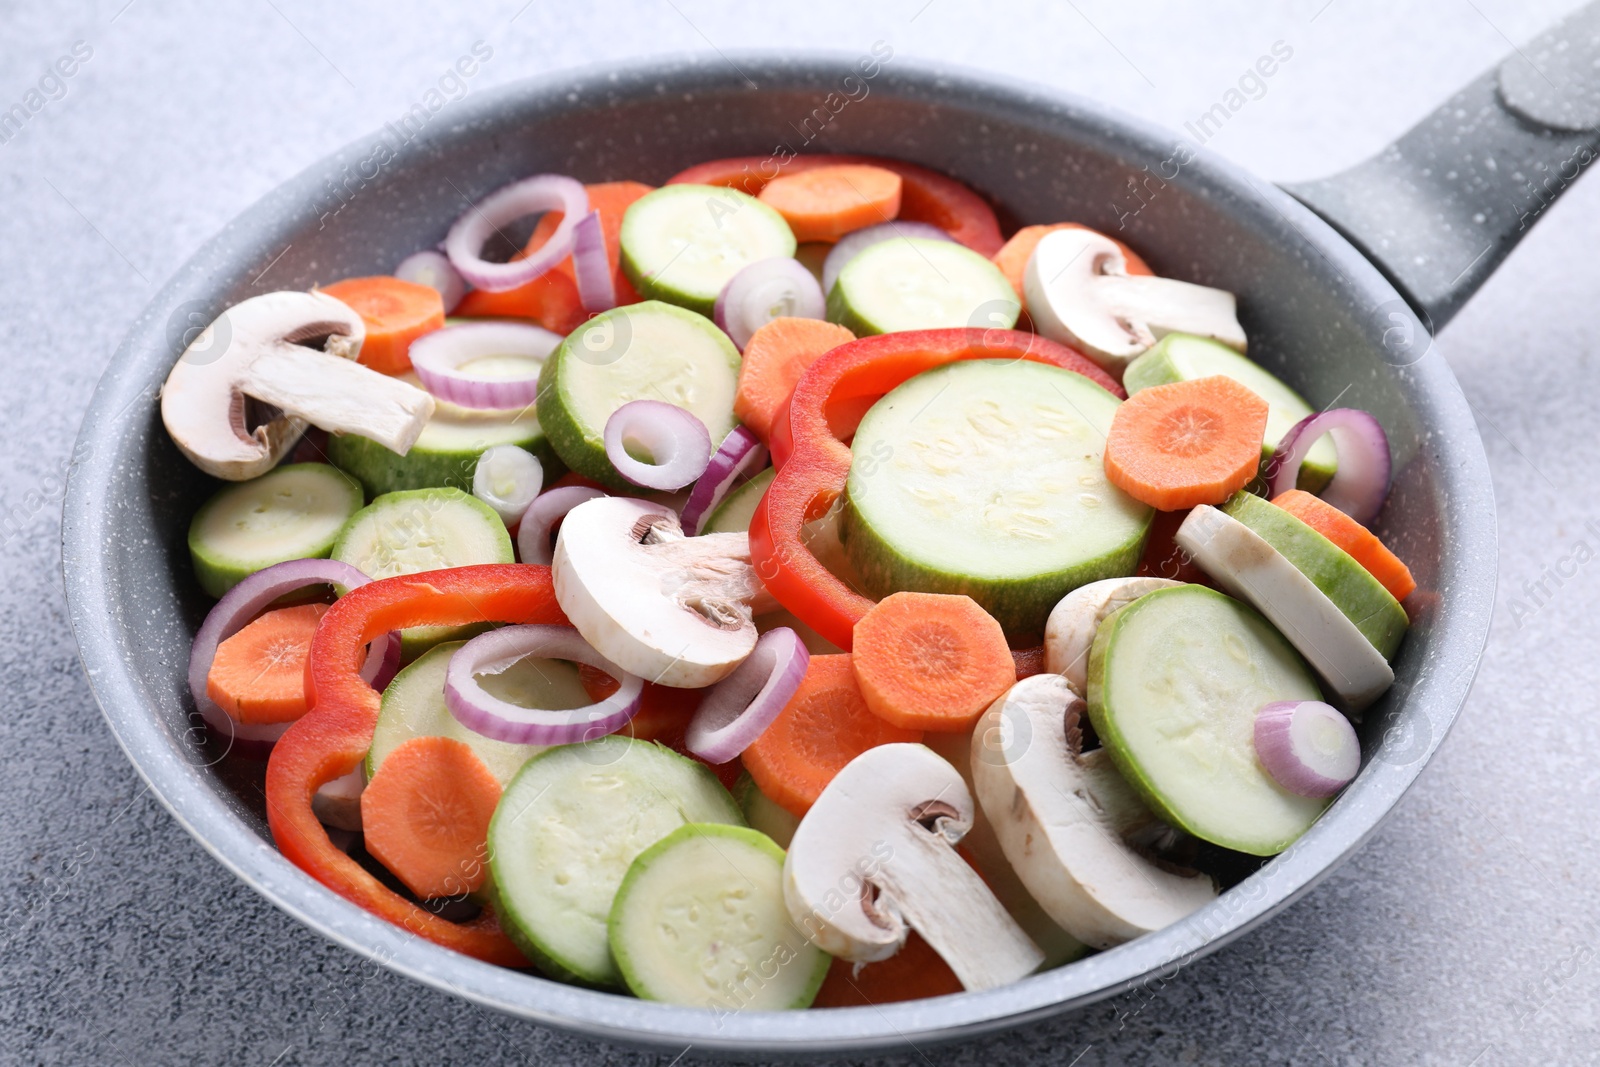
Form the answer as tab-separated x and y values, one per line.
925	195
334	736
813	461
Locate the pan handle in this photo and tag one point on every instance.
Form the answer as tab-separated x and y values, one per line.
1438	209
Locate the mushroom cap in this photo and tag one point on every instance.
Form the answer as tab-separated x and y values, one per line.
1060	815
671	609
875	857
1076	618
202	402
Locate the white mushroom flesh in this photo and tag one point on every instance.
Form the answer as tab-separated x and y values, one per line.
1069	632
672	609
1248	567
255	350
1061	816
1080	293
875	858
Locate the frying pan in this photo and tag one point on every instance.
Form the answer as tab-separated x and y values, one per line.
1341	283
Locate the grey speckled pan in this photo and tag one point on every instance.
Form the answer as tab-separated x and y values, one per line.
1342	318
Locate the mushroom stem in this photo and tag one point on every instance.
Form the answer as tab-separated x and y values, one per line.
1149	308
714	570
339	395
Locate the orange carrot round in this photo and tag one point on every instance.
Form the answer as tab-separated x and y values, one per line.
825	725
259	674
826	203
930	661
775	357
426	816
1012	259
915	972
1188	443
1361	543
395	313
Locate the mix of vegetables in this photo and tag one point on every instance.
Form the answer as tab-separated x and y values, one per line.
758	594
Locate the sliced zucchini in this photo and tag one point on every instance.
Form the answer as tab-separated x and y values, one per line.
644	351
566	831
1351	587
987	477
1182	357
447	450
733	515
293	512
420	530
921	284
700	920
1175	680
682	243
413	706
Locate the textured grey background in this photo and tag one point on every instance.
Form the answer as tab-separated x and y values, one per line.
1464	933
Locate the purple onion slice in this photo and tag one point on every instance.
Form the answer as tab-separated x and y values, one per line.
234	612
739	456
531	196
437	358
1361	481
502	720
1308	747
737	709
596	286
433	269
678	443
534	543
767	289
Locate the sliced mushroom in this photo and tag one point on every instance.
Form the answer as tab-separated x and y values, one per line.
1080	293
1069	632
1062	816
258	349
875	858
1244	564
672	609
337	802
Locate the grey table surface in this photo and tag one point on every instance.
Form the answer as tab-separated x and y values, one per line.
1463	933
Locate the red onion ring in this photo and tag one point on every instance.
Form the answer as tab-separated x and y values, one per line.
592	267
490	716
436	357
767	289
507	478
853	244
679	444
432	269
531	196
737	709
534	543
740	455
1361	481
1308	747
237	608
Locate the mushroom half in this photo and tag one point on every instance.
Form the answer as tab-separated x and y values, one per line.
875	858
1080	293
1062	815
259	349
672	609
1076	618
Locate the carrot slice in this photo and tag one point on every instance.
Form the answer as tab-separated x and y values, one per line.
552	299
930	661
426	816
259	674
826	203
915	972
1188	443
775	357
1012	259
395	313
825	725
1361	543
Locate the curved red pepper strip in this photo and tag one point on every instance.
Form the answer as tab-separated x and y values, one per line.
925	195
333	737
813	463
